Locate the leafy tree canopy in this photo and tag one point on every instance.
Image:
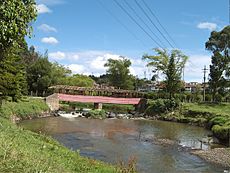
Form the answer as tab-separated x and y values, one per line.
119	74
219	44
15	21
171	64
77	80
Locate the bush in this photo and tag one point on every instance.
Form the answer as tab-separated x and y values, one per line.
97	114
160	106
219	120
222	132
218	98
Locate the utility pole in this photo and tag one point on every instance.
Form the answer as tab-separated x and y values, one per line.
204	87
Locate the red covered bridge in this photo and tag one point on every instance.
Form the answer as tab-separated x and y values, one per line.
53	100
98	99
97	95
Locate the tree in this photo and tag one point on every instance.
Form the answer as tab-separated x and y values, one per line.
219	44
39	76
119	74
173	78
15	22
59	73
77	80
217	81
171	65
12	76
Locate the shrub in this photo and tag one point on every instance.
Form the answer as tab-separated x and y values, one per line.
222	132
219	120
97	114
162	106
218	98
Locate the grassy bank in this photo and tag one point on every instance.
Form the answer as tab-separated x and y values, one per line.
27	108
25	151
215	117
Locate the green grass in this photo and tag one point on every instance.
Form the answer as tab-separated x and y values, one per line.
25	151
29	107
222	109
217	116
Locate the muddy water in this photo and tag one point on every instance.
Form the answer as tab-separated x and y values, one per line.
114	140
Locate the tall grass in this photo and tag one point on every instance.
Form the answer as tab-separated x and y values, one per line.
29	107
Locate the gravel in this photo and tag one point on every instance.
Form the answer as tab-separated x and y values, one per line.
220	156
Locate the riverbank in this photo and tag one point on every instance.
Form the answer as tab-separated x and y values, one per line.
215	117
220	156
24	151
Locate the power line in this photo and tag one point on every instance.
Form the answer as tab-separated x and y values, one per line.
121	23
153	23
158	21
133	19
146	25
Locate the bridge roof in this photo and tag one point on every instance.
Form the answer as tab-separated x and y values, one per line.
98	99
66	87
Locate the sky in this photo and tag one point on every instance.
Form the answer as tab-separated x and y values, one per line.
83	34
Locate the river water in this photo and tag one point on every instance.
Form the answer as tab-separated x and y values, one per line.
113	140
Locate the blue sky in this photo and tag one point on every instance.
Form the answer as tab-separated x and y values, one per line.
83	34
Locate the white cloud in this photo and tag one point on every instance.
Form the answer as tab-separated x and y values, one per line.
62	56
47	28
207	25
57	55
50	2
99	62
49	40
42	8
193	68
92	62
77	69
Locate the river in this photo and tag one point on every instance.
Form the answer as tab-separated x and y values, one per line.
113	140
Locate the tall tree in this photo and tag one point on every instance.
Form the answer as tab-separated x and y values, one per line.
119	74
217	80
171	65
12	76
39	75
15	23
59	73
173	82
219	44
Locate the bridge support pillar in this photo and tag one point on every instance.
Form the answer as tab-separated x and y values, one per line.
98	106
